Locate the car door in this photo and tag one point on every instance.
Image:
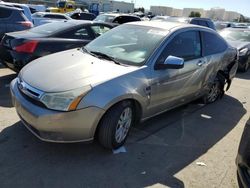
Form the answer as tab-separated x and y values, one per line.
172	87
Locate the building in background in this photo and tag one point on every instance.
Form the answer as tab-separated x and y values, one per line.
231	16
118	6
177	12
161	10
216	13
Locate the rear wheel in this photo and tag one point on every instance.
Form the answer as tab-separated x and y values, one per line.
115	125
214	92
245	68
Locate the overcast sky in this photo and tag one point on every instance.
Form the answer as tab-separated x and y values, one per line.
241	6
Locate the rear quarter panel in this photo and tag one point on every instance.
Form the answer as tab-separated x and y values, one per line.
218	62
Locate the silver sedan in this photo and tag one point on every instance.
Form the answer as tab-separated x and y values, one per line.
129	74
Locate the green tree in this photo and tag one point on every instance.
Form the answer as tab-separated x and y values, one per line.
195	14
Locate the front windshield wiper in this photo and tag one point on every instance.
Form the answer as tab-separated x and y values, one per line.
85	50
103	55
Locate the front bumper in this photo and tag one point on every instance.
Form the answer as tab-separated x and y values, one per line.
55	126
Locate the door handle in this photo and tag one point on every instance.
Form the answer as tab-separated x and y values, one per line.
200	63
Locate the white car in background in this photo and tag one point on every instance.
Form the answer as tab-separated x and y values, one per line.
40	18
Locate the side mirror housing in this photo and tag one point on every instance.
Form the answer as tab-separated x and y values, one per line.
171	62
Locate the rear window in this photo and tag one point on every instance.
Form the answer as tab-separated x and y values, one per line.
54	16
5	13
125	19
212	44
51	28
87	16
104	18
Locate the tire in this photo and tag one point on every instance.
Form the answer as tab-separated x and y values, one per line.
115	125
245	68
246	65
215	91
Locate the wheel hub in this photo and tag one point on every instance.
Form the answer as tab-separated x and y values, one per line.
123	125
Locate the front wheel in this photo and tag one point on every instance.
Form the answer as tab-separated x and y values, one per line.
115	125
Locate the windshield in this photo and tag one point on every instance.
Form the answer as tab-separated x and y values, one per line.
105	18
128	44
237	35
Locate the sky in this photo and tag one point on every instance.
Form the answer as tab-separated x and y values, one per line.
240	6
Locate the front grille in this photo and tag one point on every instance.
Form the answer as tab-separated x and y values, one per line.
33	101
31	94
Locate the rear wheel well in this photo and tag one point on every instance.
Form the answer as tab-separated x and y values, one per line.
136	107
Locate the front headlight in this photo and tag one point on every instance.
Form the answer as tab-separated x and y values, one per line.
64	101
243	51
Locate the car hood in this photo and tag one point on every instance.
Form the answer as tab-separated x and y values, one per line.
238	44
69	70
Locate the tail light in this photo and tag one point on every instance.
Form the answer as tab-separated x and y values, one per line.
27	47
27	24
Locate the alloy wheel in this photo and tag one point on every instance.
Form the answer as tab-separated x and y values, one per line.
123	125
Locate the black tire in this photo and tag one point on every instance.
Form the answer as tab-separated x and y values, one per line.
109	123
239	181
215	91
245	68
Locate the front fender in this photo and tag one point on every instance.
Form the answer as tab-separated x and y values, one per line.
129	86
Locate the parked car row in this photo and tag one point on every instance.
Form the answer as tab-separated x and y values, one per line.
206	22
12	19
19	48
40	18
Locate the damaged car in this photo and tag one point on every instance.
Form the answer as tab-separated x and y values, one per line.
125	76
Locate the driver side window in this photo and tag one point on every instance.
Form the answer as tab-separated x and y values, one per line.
186	45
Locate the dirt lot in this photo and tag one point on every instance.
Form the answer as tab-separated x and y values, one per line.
163	151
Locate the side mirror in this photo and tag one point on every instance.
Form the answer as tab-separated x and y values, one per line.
171	62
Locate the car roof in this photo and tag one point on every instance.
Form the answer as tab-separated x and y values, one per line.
166	25
9	7
119	14
50	13
80	22
15	4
